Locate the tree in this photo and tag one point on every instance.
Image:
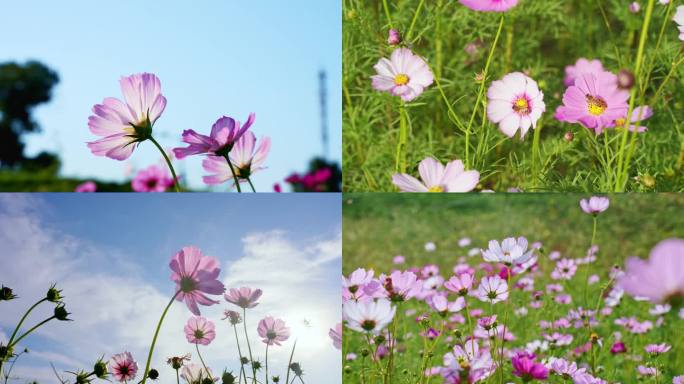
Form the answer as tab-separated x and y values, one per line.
22	87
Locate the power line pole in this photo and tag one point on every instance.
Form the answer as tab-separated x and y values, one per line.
323	96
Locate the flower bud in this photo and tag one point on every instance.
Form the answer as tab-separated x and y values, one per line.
244	360
6	294
379	339
365	352
625	79
297	369
256	365
569	136
153	374
348	369
61	313
100	369
275	379
207	380
53	294
227	378
394	37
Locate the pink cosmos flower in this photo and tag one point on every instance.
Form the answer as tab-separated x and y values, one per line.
659	279
234	317
595	204
594	101
657	349
679	19
199	330
679	379
515	102
195	275
404	74
492	289
647	371
558	339
243	297
245	159
490	5
639	114
224	133
525	367
460	284
467	362
122	125
581	67
565	270
273	331
441	305
336	335
566	369
123	367
401	286
88	186
437	178
152	179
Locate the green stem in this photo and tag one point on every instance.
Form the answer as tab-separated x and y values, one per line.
30	330
9	343
249	347
536	154
177	377
202	361
415	18
266	363
154	339
168	162
400	160
593	233
232	170
622	164
482	86
251	185
237	340
387	13
287	376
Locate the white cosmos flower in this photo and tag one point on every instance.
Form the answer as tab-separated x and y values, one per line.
512	251
371	316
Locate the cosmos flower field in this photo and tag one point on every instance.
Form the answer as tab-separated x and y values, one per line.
581	289
515	92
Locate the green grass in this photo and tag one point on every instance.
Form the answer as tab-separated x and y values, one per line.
379	226
540	38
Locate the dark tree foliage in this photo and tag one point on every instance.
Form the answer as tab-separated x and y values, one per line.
22	87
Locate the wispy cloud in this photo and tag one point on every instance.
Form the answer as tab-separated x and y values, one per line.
115	310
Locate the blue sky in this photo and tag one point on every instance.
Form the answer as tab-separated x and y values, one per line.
110	255
213	57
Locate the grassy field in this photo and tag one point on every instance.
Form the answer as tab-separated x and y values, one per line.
538	38
378	227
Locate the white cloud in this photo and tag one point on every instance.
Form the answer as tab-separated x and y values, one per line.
114	310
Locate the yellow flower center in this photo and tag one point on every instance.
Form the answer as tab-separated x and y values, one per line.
596	105
436	188
522	106
620	122
401	79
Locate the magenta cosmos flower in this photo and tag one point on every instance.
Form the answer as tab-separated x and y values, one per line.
336	335
245	159
581	67
88	186
515	102
123	124
224	133
594	205
243	297
123	367
661	278
438	178
195	275
490	5
152	179
594	101
273	331
404	74
199	330
525	367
